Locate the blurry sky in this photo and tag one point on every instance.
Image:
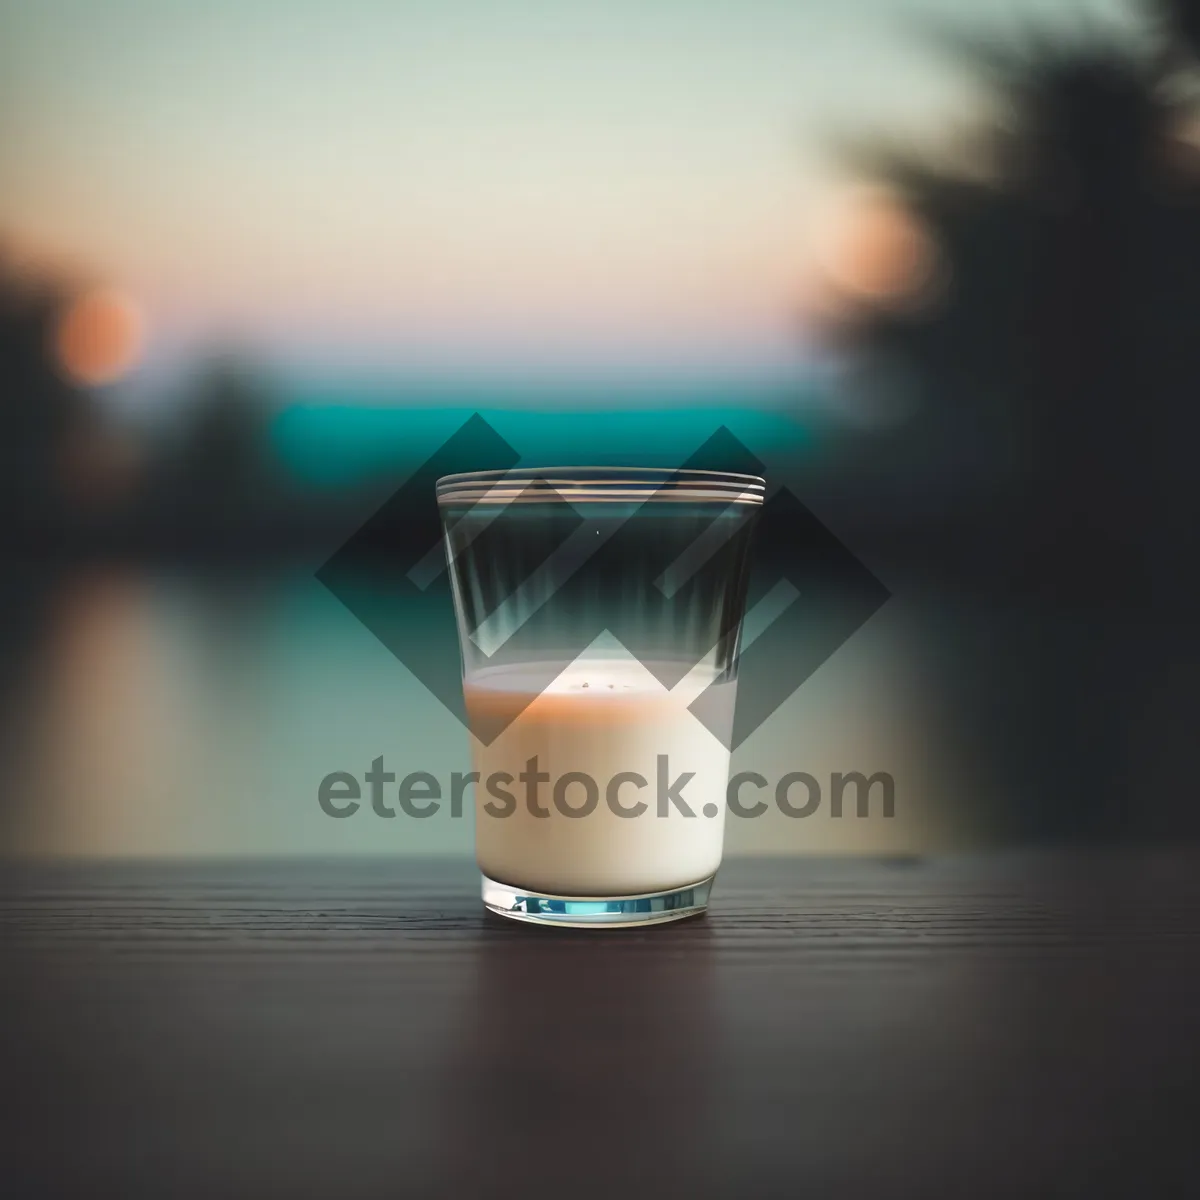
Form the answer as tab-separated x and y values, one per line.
375	180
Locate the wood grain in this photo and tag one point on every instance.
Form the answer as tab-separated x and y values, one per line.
1020	1024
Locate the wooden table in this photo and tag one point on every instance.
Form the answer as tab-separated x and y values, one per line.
1015	1025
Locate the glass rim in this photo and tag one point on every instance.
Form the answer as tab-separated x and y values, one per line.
543	485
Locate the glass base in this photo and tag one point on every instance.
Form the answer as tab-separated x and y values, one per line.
596	912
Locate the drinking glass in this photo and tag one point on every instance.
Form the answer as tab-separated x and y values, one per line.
599	614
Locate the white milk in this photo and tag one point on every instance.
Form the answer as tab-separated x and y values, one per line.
601	717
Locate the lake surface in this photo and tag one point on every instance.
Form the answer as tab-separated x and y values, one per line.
147	714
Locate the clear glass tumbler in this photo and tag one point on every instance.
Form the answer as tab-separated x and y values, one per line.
599	614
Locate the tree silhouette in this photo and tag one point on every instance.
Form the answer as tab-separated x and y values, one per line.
1065	347
40	412
213	488
1064	339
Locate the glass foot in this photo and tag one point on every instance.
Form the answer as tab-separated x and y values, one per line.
596	912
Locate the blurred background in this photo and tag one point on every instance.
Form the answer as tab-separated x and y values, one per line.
936	264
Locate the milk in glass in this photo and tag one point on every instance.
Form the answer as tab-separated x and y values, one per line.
610	720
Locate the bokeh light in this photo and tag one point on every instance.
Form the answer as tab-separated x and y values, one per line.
874	250
99	337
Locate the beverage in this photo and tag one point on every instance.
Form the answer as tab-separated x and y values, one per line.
605	720
601	797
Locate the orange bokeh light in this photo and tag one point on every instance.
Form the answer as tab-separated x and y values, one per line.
99	337
875	250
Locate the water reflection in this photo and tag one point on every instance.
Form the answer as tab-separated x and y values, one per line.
163	716
150	715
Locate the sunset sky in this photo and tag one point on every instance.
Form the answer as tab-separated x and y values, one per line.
453	180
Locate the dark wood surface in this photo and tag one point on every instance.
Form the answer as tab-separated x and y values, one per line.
1013	1025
